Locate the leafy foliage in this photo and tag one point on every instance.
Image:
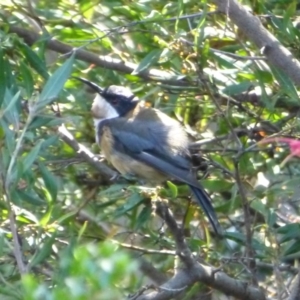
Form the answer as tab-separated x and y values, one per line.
196	67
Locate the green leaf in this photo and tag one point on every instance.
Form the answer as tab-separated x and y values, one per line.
2	77
285	83
154	16
289	232
143	217
50	181
238	88
292	250
134	200
10	107
29	159
27	196
217	185
35	61
149	60
55	83
271	218
27	79
259	207
4	157
40	121
47	216
10	141
45	252
289	12
173	189
51	141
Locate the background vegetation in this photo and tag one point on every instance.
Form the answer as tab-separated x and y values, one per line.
70	229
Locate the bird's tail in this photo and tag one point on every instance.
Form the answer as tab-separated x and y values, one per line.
205	202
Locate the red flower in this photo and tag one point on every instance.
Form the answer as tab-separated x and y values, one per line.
293	144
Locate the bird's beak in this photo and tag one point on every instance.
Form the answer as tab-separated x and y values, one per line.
91	84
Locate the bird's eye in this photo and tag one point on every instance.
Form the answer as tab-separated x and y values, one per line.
114	101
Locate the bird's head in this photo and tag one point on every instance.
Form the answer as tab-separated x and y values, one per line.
111	102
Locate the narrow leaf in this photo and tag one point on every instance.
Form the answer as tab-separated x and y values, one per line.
45	251
2	77
35	61
10	109
31	156
134	200
27	79
27	196
173	189
143	217
11	104
55	83
50	181
238	88
149	60
285	83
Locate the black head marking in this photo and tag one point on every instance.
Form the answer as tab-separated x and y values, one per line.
121	98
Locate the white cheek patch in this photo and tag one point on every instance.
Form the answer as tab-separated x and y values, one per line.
102	110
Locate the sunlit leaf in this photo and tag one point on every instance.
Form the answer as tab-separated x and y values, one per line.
149	60
55	83
50	180
173	189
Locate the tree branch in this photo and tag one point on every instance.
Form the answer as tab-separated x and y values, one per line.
107	62
295	289
193	271
251	27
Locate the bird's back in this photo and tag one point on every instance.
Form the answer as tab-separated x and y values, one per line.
161	129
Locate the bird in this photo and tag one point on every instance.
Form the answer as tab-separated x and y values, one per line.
144	142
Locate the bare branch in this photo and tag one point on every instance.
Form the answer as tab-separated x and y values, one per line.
17	247
295	290
251	27
246	208
147	268
194	271
30	37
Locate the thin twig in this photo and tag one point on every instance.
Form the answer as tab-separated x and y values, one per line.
17	247
250	254
145	250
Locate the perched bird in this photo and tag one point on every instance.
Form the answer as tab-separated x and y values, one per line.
144	142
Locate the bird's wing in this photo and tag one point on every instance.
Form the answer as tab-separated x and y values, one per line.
148	144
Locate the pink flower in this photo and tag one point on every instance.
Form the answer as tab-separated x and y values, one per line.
293	144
